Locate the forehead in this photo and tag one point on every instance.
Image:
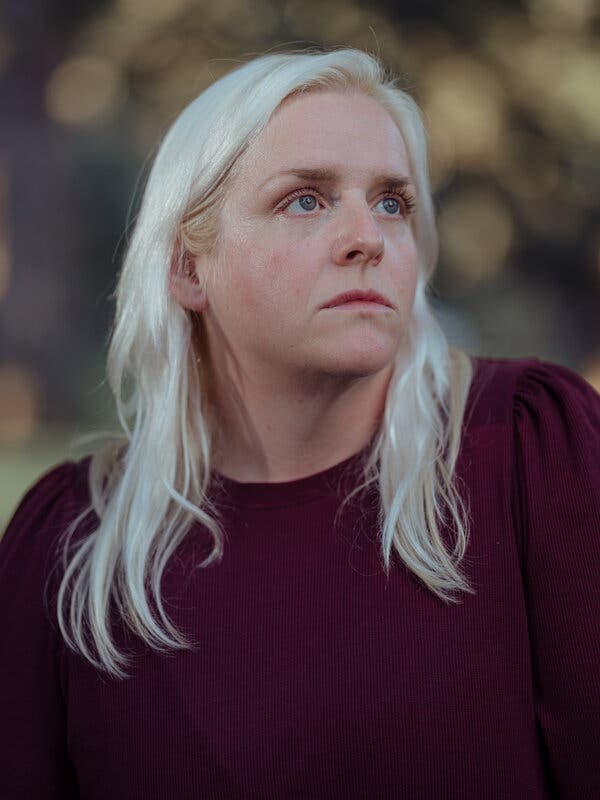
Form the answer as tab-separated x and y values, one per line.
329	128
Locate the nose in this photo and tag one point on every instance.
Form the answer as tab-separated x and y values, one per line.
359	240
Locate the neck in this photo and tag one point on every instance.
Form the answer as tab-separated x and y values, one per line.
286	431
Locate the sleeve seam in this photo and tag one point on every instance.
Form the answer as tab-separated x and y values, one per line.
519	477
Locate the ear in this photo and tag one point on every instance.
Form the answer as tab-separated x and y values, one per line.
184	282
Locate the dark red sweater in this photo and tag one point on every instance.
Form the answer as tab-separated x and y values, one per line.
313	677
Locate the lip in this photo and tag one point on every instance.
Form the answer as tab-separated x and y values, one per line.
358	296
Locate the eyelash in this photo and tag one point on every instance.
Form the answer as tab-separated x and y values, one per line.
399	192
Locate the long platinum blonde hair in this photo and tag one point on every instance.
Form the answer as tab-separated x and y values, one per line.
151	484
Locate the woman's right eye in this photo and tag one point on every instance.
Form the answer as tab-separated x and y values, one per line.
306	202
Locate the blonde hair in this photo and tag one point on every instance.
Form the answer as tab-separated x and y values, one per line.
148	487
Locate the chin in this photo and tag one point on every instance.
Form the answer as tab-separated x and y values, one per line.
361	361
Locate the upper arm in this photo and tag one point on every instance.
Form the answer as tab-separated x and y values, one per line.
33	755
557	440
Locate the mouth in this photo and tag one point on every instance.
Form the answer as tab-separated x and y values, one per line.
358	298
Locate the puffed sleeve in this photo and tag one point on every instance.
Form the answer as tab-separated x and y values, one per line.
557	440
33	755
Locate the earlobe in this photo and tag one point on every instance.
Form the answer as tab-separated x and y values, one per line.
184	282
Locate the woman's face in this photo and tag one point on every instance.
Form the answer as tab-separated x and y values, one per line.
317	207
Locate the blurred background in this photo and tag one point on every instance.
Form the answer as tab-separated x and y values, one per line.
510	94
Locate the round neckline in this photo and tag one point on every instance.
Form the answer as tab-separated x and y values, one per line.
285	493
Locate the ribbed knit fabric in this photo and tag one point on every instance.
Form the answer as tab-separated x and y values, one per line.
315	677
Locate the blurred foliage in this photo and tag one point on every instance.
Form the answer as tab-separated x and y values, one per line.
510	99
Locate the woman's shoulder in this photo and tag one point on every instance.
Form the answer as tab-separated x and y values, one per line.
49	506
544	420
530	391
556	425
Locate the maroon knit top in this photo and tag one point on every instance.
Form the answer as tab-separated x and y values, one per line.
314	676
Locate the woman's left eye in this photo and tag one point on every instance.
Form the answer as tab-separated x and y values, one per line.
390	205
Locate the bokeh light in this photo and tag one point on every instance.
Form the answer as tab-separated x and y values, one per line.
572	15
476	232
527	165
463	104
591	372
19	404
84	89
155	12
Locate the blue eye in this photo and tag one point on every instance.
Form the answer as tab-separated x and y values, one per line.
390	204
307	202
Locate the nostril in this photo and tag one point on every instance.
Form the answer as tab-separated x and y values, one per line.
356	254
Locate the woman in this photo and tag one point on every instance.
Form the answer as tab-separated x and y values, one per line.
330	555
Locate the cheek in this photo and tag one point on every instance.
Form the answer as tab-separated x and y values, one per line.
285	272
273	264
407	258
412	272
259	285
277	262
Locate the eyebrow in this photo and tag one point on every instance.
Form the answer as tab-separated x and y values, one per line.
329	176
